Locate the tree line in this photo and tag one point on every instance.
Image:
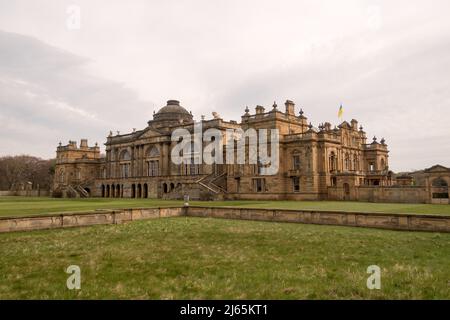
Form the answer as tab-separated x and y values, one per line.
17	171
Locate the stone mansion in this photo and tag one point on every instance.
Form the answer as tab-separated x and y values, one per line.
323	163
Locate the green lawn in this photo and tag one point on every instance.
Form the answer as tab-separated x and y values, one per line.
16	206
196	258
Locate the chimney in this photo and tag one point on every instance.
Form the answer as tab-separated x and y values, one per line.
354	125
83	143
259	109
290	107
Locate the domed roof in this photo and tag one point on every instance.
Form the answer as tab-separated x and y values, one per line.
173	106
173	113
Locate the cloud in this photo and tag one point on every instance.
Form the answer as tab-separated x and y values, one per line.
47	94
386	61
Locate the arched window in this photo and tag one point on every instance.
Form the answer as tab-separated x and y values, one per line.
152	152
165	187
125	156
439	183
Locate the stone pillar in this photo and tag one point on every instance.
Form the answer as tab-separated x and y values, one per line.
166	159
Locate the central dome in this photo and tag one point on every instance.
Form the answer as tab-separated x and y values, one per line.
173	113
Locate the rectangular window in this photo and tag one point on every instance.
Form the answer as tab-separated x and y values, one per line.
259	185
296	162
125	170
153	168
296	184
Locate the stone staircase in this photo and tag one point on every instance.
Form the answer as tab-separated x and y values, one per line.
210	183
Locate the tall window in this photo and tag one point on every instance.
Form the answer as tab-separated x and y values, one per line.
296	184
296	162
355	163
332	161
347	162
125	170
153	168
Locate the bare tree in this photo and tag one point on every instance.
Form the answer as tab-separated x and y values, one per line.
17	170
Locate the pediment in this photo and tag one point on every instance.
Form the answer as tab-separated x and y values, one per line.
437	168
149	133
345	125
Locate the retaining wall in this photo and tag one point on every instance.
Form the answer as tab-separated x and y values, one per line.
408	222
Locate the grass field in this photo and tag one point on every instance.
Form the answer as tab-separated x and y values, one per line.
16	206
194	258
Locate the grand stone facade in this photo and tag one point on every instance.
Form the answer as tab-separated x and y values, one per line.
315	163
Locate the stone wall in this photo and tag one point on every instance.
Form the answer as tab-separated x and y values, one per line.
381	194
65	220
355	219
26	193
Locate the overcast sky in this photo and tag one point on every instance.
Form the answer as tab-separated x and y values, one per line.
387	62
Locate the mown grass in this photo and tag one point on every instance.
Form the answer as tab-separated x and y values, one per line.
203	258
19	206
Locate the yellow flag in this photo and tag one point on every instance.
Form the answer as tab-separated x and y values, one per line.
341	112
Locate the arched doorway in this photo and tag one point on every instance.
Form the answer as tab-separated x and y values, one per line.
107	191
118	191
113	191
139	191
133	190
103	190
145	190
165	187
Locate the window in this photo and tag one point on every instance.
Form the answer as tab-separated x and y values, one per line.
355	163
439	183
371	167
153	168
125	170
125	155
347	162
333	181
259	185
332	161
296	184
296	162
